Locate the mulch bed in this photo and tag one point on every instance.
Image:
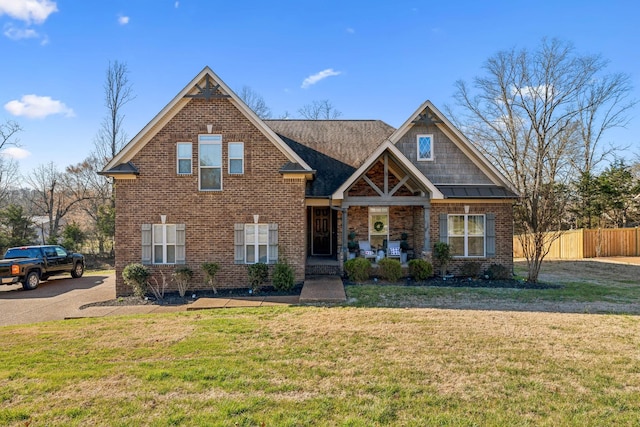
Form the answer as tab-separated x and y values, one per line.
173	298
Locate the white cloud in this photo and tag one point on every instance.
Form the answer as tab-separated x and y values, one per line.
37	107
29	11
123	20
176	4
20	33
315	78
351	30
15	153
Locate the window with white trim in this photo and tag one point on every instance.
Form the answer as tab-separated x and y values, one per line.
163	243
210	162
378	226
184	158
256	243
424	145
467	235
236	158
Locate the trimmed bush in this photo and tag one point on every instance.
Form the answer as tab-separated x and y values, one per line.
182	276
358	269
258	274
498	272
210	270
442	254
420	269
470	269
282	278
137	276
390	269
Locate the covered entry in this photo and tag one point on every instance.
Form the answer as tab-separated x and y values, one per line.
322	236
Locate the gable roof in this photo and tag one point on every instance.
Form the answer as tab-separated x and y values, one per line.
349	141
458	139
404	162
178	102
334	148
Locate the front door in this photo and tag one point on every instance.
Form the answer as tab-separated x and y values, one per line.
321	239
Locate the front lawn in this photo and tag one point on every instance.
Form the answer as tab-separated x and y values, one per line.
309	366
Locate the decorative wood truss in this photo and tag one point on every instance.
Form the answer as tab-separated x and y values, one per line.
208	91
394	187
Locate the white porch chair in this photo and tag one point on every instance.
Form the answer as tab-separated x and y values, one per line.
365	249
393	249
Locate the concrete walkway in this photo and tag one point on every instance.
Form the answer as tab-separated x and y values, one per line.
61	298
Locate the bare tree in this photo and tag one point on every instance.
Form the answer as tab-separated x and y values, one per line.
98	195
255	101
117	93
527	115
8	167
319	110
54	195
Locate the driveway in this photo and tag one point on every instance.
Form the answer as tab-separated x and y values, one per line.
55	299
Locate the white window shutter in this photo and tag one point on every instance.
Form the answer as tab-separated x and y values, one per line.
273	243
146	243
238	242
180	244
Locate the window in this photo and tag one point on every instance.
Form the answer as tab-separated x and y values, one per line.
210	162
467	235
184	158
236	158
378	226
163	244
256	243
425	147
256	240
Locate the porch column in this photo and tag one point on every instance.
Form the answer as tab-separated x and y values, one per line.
427	226
345	232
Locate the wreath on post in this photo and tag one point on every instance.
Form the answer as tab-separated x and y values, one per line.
378	226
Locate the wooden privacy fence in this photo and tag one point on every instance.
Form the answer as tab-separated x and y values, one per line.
577	244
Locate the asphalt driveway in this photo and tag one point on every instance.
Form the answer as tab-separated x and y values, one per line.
56	299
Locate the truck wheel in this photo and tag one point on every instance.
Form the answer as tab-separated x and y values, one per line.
31	281
78	270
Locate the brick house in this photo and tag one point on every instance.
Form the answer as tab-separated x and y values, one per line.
207	180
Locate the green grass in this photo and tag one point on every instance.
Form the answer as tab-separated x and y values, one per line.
308	366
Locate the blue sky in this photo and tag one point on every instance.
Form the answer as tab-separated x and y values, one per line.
372	59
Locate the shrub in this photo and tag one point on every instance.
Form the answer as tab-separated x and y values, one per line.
258	274
283	278
442	253
420	269
497	272
182	276
470	269
210	270
137	276
390	269
156	288
357	269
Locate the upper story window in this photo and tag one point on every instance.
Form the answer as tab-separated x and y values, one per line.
236	158
425	147
210	162
184	162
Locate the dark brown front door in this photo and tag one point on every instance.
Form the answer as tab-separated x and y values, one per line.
321	217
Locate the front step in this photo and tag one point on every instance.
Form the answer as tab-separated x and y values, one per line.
323	289
322	270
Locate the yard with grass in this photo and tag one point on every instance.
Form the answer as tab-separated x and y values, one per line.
338	366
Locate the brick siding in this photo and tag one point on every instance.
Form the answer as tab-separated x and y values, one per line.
209	216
